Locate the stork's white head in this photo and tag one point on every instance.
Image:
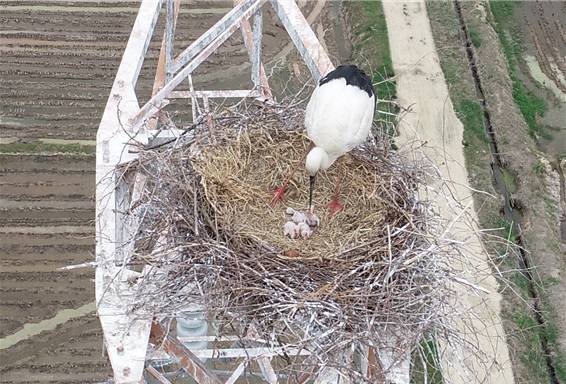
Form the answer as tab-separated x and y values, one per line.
317	160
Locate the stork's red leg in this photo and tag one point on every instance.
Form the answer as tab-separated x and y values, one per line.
279	193
335	206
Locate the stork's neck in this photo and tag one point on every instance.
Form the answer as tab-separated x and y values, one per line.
317	160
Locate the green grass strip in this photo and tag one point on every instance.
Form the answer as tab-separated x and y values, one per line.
372	43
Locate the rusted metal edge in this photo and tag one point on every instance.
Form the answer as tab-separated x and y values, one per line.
163	64
303	377
156	375
374	368
188	361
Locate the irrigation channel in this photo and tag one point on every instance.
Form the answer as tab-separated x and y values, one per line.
511	209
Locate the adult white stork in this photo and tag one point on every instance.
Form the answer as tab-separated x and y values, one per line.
338	118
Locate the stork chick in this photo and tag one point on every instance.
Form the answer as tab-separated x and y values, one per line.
291	230
299	217
304	230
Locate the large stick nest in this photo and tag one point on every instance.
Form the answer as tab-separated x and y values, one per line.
206	213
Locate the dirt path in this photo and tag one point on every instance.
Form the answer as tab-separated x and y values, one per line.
422	89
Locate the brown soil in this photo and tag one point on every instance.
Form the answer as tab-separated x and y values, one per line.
542	27
544	31
46	216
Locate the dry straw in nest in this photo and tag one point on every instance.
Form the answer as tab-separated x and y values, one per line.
237	176
372	266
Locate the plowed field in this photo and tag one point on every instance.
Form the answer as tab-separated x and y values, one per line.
46	219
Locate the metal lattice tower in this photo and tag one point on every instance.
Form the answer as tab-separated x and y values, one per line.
124	124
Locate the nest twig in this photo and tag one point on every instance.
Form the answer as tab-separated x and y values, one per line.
207	220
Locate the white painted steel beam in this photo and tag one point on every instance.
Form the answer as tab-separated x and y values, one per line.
395	361
169	37
138	43
304	38
192	339
255	48
225	23
248	352
126	335
237	372
252	40
222	33
267	370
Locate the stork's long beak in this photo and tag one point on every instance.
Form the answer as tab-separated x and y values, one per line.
311	208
